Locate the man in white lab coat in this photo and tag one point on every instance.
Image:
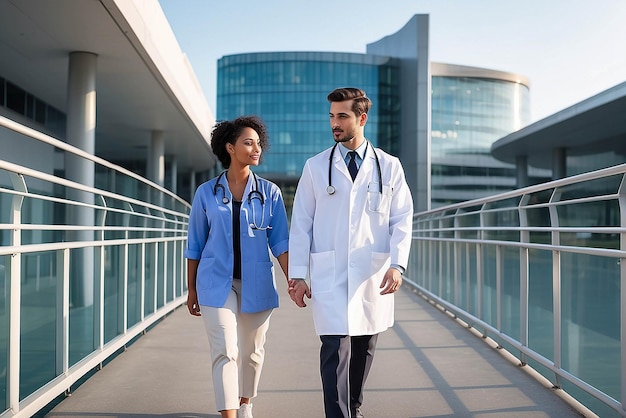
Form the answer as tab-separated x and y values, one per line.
351	237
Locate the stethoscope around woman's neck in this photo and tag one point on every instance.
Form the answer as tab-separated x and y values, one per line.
252	194
330	189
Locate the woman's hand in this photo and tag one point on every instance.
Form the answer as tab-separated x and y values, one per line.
192	303
298	289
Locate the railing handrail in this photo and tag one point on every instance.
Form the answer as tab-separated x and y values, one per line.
605	172
47	139
25	171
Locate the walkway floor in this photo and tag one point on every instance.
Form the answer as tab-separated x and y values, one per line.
427	365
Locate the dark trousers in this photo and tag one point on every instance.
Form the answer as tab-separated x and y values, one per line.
345	362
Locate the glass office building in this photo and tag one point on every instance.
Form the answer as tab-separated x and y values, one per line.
439	119
288	90
471	108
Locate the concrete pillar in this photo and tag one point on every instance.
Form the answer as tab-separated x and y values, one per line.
156	159
81	133
521	169
192	185
174	175
559	170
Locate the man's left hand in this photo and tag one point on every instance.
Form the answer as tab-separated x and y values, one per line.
391	282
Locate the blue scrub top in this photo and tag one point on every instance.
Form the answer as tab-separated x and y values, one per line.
210	241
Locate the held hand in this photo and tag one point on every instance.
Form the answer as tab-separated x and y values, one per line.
298	289
192	303
391	282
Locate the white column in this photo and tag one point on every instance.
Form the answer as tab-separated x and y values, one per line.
81	133
174	175
192	185
157	158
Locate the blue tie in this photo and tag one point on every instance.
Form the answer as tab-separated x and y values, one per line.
352	168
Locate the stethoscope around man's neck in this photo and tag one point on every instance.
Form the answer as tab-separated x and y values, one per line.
330	189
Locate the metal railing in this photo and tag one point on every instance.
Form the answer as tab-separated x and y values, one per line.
85	267
539	270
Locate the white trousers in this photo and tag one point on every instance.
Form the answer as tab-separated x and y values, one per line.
237	344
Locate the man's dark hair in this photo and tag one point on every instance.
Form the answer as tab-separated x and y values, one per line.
361	103
227	131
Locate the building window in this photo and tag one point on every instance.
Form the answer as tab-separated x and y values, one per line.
16	98
40	111
2	91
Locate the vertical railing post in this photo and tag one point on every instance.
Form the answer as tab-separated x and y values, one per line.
524	272
428	281
123	303
622	274
555	240
499	288
143	276
98	303
479	265
439	290
155	277
63	311
180	256
166	246
424	248
457	260
142	281
479	280
468	279
165	250
15	308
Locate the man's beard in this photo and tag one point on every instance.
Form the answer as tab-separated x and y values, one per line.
346	139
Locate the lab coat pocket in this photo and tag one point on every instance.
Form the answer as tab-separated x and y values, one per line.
376	201
322	271
380	264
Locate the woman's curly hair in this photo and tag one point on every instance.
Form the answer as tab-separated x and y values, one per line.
228	131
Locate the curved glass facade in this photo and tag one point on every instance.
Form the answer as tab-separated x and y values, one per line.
288	91
468	114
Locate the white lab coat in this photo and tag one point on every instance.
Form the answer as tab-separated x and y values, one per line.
345	242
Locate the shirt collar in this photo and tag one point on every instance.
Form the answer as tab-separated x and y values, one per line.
360	151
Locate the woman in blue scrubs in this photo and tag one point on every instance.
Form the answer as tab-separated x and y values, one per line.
236	219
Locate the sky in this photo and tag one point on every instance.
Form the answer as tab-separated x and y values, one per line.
569	49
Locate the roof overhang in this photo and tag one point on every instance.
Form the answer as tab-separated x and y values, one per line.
438	69
592	126
144	82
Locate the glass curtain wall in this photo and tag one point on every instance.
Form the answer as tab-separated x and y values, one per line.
468	115
288	91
